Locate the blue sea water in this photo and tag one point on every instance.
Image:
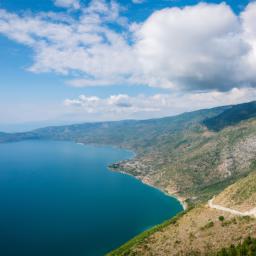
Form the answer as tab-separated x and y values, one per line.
59	199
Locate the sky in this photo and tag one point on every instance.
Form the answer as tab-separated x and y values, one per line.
73	61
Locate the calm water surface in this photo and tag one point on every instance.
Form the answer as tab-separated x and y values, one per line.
59	199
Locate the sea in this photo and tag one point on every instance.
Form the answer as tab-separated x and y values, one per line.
60	199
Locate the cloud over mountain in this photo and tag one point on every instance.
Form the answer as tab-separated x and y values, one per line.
149	106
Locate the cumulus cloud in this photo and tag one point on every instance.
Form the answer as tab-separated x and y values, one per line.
201	47
67	3
120	103
205	47
84	46
122	106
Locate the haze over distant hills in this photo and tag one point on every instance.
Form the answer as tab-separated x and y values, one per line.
192	155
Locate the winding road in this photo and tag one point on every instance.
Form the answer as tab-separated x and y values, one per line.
251	212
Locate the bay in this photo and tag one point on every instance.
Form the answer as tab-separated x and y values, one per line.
59	198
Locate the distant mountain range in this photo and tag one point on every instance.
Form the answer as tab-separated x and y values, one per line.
194	156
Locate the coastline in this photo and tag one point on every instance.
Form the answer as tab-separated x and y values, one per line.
181	200
145	180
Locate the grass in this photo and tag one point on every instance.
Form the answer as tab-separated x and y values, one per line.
241	195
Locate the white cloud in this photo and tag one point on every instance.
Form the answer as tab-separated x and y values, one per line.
201	47
85	45
198	48
118	104
67	3
122	106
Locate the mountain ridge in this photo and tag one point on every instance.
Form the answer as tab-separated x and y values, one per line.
177	154
231	116
121	122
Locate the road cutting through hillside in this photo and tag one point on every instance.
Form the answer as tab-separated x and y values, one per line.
251	212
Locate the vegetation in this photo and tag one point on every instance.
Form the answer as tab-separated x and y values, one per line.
210	224
221	218
179	154
246	248
241	195
231	116
229	222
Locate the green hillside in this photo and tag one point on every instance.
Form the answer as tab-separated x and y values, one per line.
241	195
232	116
179	154
138	135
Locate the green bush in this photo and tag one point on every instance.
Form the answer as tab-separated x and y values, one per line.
246	248
221	218
208	225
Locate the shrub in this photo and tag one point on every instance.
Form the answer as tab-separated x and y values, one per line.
208	225
246	248
221	218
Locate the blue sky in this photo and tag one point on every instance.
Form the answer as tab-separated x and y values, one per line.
65	61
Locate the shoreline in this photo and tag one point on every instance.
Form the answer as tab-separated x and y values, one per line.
180	199
177	197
